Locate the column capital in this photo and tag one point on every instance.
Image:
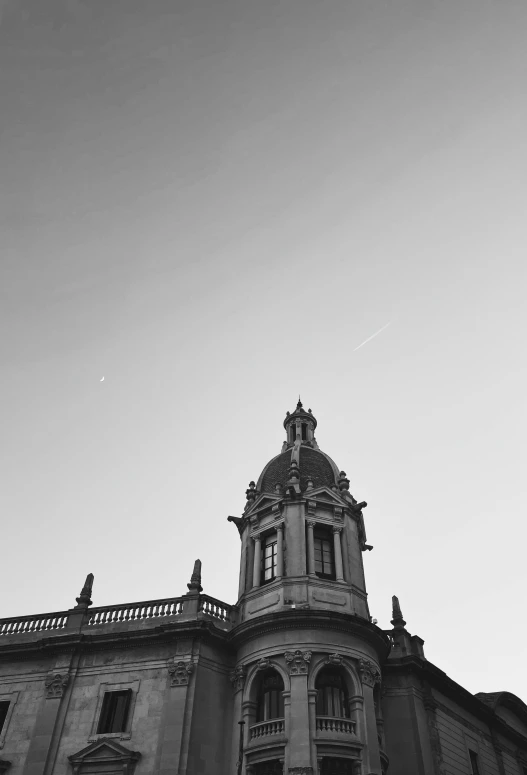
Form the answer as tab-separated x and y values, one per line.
311	523
257	537
298	661
337	529
280	526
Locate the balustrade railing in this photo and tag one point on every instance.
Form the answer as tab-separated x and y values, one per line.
149	609
215	608
335	725
122	613
274	727
36	623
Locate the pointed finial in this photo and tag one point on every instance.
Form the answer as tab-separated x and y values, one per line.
397	615
84	598
299	405
195	580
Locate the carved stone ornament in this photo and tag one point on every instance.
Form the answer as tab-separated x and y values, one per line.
334	659
337	530
263	664
298	661
301	771
180	672
56	683
369	673
238	676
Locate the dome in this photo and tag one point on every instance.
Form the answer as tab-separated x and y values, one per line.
313	464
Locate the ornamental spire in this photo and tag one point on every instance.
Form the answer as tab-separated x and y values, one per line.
397	615
84	599
195	580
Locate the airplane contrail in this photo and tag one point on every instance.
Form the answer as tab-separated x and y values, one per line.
372	336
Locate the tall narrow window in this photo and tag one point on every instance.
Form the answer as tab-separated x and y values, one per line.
324	561
332	695
474	762
114	713
304	431
269	559
293	433
4	707
270	698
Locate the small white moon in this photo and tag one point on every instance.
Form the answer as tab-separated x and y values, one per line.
101	380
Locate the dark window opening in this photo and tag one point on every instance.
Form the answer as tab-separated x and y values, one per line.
332	695
114	713
273	767
324	564
4	708
269	564
293	433
474	762
270	698
304	431
333	766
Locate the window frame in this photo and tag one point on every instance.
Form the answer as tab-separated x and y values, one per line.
260	701
105	687
108	713
270	540
12	699
321	534
474	759
342	690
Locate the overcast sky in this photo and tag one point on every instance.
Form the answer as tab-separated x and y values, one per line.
211	205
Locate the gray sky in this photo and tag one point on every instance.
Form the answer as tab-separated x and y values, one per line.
212	204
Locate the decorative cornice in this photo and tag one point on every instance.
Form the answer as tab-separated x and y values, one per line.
369	673
179	671
298	661
55	684
238	676
334	659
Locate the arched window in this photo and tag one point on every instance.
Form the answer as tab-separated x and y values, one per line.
270	702
332	695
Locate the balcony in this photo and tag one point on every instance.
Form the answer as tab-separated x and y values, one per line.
331	726
266	729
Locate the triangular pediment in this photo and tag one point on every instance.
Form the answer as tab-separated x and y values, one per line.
105	749
264	501
325	495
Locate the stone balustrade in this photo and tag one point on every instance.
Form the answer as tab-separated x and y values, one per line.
149	609
275	726
215	608
335	725
125	614
36	623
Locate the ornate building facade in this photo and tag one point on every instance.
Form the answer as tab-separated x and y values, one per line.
294	678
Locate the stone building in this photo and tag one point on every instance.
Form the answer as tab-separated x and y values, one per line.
294	678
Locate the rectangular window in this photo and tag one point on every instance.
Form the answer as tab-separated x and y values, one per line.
474	762
324	565
269	559
4	708
114	713
304	431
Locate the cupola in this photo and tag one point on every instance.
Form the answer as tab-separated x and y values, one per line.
300	426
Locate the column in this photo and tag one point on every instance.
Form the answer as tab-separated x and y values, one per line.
279	551
257	560
312	699
298	732
311	547
243	564
338	553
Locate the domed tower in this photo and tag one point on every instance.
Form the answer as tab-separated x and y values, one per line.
307	679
